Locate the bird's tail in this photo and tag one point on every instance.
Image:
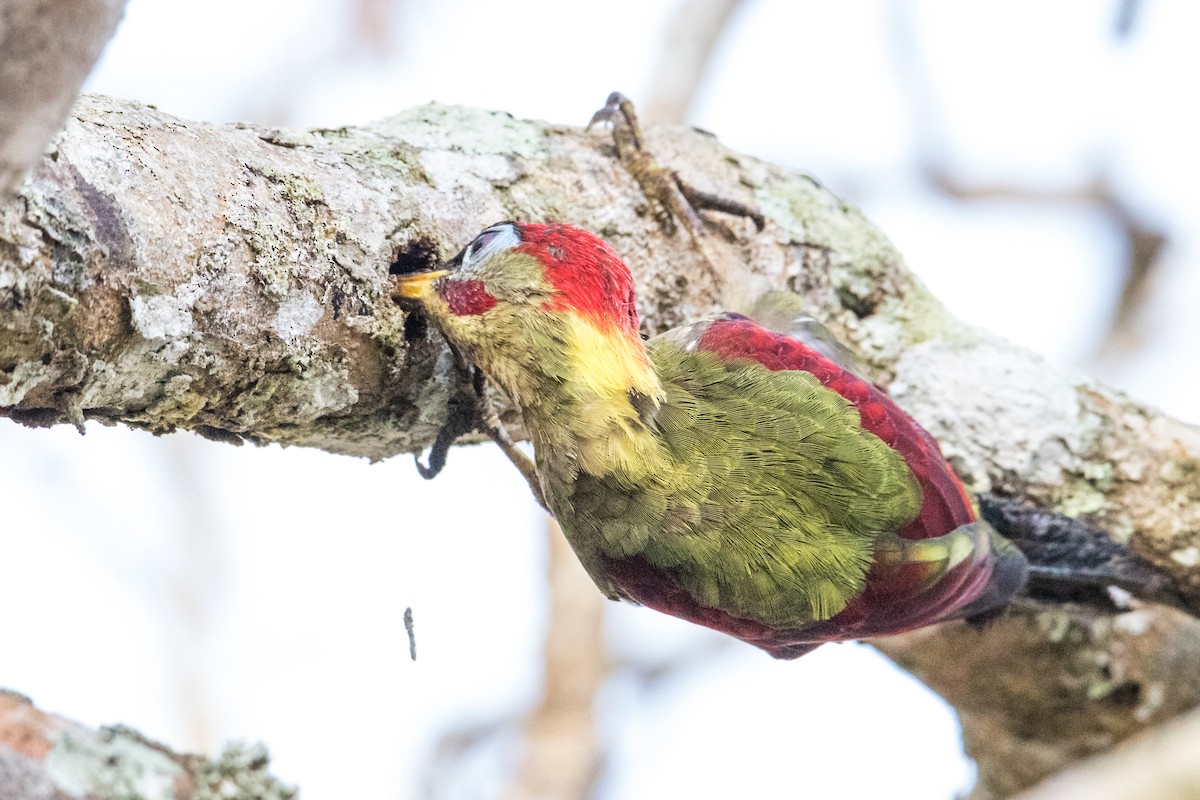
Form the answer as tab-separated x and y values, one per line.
1010	570
966	573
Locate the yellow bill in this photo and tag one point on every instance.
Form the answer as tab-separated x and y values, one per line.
417	285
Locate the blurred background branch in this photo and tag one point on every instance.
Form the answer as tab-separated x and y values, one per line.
1143	243
562	756
693	33
48	49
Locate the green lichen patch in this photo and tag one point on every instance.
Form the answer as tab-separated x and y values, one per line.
239	773
471	131
111	764
270	247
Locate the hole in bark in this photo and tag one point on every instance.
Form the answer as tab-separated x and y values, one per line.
418	255
861	307
415	327
1127	694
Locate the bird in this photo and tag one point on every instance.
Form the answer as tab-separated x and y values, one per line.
729	475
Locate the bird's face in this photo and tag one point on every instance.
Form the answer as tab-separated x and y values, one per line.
520	283
475	295
541	309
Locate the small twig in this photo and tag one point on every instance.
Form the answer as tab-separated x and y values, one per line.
408	629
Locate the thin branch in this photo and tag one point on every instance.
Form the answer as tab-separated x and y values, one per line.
1144	243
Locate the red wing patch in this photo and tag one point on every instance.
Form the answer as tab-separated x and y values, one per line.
944	505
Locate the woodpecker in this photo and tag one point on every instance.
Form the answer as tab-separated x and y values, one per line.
723	473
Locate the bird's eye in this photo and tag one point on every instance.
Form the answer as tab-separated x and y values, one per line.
490	242
481	241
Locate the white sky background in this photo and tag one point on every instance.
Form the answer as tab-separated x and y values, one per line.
202	592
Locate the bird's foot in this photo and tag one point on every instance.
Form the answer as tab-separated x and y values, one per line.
471	409
677	199
462	417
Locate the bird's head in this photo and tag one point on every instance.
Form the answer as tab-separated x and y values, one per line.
536	302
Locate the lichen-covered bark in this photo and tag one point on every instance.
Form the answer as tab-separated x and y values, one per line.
1043	687
1014	426
1046	686
47	757
233	280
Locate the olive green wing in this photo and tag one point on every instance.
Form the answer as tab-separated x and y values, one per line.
774	496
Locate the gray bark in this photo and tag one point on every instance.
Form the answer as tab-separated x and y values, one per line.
232	280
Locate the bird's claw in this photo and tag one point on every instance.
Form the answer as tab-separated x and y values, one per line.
471	409
612	109
462	417
678	199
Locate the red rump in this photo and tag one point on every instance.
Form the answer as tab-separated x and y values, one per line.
945	505
591	277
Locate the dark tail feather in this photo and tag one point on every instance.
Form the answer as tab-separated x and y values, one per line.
1010	570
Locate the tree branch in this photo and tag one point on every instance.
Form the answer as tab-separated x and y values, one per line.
1161	764
45	756
1043	687
232	280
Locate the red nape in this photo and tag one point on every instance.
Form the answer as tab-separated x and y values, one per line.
592	278
945	505
466	298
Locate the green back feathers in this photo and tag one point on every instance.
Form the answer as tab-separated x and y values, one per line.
764	498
